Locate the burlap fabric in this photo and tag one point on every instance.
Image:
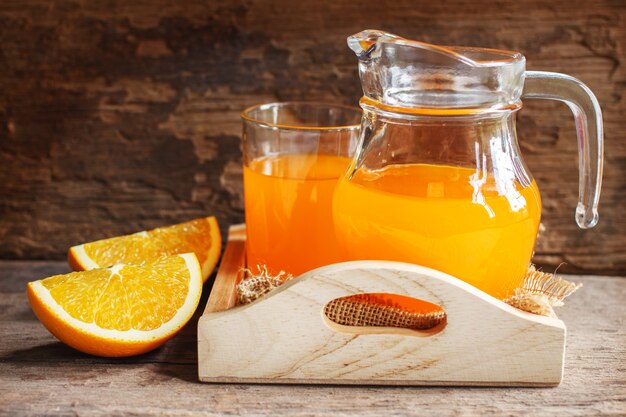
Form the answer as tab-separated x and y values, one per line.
539	293
364	310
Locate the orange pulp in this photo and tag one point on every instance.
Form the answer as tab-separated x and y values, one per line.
456	220
288	204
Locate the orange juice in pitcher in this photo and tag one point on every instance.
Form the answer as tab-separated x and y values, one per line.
437	178
432	215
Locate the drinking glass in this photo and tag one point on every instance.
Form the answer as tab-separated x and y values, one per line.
293	155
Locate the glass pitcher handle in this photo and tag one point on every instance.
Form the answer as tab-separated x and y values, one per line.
588	117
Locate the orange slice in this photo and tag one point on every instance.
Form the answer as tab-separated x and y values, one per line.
123	310
200	236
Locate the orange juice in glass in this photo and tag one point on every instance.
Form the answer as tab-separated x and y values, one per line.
294	154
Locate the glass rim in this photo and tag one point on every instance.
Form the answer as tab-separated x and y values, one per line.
245	115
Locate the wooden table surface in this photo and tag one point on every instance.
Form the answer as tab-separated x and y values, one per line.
41	376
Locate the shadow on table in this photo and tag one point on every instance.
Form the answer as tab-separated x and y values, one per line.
51	352
57	352
173	360
179	356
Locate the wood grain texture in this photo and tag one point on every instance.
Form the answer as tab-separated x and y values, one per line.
121	116
484	342
40	376
224	291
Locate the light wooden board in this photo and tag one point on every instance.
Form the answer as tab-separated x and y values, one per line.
223	294
284	336
41	376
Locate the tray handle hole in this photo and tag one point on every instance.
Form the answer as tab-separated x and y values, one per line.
376	313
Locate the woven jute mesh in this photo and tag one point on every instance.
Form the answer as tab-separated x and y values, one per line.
255	285
539	293
364	310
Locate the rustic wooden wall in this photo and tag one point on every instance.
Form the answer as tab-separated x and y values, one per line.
116	116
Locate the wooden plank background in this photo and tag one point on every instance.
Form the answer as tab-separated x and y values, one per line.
119	116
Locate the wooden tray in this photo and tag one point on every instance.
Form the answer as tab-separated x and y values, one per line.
285	337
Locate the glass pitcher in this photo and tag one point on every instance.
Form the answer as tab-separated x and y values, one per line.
437	178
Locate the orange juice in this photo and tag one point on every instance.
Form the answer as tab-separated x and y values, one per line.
288	202
452	219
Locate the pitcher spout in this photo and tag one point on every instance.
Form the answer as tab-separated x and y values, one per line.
368	44
411	74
